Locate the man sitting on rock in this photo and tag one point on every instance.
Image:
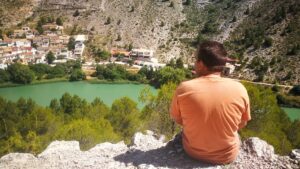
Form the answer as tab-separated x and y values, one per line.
210	108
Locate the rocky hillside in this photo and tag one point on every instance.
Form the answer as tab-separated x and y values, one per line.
169	27
268	42
147	151
115	23
13	12
262	34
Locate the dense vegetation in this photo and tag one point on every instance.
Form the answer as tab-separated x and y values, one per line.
291	99
27	127
269	122
173	72
47	20
23	74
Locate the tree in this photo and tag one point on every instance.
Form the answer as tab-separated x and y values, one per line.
43	20
102	54
40	69
33	142
209	27
50	19
98	110
254	36
119	22
295	90
59	21
57	71
9	33
294	134
20	73
130	47
71	44
77	75
268	42
76	13
4	76
187	2
54	105
171	63
39	27
108	21
179	63
100	71
1	34
294	49
119	38
169	75
270	123
50	57
234	19
280	14
87	132
147	72
247	12
124	117
155	114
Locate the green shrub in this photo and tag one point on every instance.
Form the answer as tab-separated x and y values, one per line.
295	90
268	42
76	13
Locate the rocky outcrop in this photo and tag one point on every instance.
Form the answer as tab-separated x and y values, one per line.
147	151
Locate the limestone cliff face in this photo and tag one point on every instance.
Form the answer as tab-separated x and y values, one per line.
144	24
147	151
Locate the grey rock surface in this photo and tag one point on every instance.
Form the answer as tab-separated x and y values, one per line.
146	152
295	154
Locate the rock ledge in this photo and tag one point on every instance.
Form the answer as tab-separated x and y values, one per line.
146	152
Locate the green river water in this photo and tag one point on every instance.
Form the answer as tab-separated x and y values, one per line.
42	94
293	113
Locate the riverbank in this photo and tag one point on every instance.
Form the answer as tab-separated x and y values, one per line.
97	81
290	101
35	82
56	80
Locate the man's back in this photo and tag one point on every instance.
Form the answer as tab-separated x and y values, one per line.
210	109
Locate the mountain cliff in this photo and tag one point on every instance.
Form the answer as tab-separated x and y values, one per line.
147	151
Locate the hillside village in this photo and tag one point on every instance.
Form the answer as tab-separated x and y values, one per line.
28	46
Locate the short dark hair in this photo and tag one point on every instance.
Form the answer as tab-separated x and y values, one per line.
213	55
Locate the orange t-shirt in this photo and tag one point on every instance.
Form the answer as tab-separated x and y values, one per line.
210	109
